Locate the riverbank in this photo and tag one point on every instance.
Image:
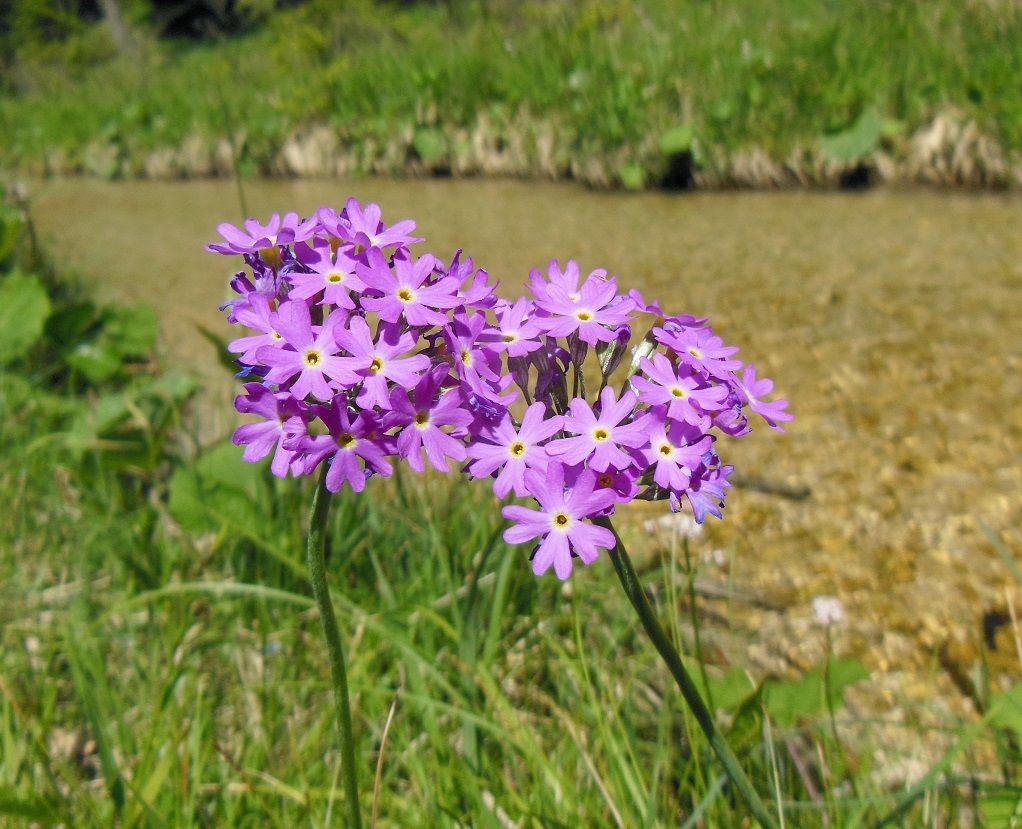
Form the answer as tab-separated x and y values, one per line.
606	93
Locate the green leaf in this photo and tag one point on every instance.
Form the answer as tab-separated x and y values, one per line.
1006	710
24	308
98	361
731	690
108	411
70	324
860	139
633	176
220	489
677	140
16	392
789	702
429	144
30	807
12	225
131	328
1001	808
173	387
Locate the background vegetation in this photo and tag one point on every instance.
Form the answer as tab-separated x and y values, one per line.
610	91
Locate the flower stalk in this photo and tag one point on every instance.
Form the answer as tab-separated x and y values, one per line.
633	587
335	650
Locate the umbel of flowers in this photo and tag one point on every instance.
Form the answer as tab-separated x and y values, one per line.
364	354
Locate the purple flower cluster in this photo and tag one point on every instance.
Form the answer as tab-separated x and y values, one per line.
363	355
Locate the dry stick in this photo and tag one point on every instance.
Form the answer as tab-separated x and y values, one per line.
795	492
630	581
335	651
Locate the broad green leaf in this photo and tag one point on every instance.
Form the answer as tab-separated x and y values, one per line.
677	140
185	502
106	420
12	225
789	702
97	361
219	489
1006	710
24	308
632	175
429	144
732	689
860	139
131	328
15	391
173	386
71	323
1001	808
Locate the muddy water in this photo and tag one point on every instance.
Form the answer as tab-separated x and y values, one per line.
889	319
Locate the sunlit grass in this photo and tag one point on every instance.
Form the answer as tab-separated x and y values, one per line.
201	697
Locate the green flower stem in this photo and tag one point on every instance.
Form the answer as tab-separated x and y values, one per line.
630	581
335	651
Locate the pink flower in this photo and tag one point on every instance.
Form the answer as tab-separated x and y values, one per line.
311	355
332	275
560	520
422	415
600	438
405	290
595	311
379	362
364	228
750	389
513	451
687	396
257	237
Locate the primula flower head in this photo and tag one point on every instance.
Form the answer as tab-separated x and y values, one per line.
367	356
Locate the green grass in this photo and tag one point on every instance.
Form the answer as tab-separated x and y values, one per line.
197	694
608	78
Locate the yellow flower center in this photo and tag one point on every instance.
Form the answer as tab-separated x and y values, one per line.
312	358
271	256
695	352
510	337
346	440
376	366
600	434
335	277
679	392
517	449
583	316
421	419
665	449
562	519
406	295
